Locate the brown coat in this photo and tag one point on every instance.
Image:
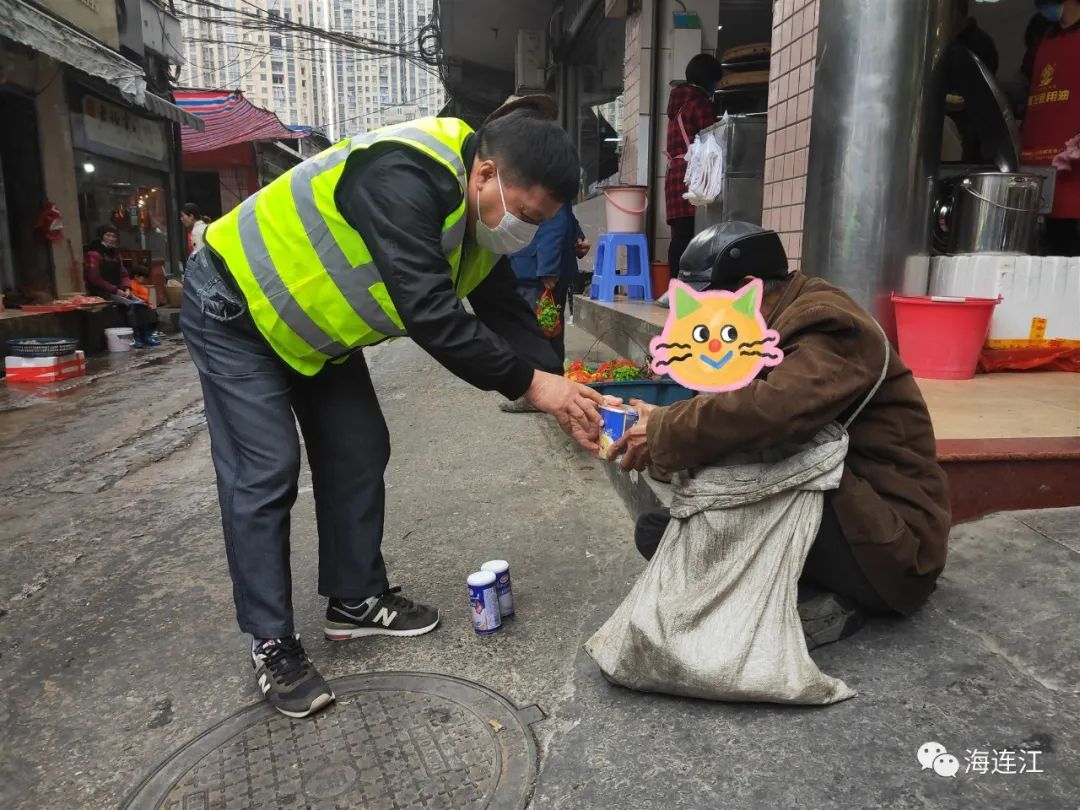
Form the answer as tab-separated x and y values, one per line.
893	500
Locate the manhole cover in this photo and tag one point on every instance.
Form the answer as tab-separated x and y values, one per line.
393	740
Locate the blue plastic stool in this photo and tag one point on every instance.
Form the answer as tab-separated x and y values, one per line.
606	278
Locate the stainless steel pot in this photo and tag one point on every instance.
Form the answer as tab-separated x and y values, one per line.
989	212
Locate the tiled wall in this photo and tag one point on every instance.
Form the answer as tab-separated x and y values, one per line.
791	96
633	84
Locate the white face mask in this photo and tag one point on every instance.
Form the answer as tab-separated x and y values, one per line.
510	235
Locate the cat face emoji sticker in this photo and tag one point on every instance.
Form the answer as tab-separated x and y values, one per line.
715	341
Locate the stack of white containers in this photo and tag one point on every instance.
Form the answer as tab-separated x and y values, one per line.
1041	294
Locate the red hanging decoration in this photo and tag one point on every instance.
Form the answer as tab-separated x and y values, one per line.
50	223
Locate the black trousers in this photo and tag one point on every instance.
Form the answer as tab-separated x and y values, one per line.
137	314
830	565
253	402
682	231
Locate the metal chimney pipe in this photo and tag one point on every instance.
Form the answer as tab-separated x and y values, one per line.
875	144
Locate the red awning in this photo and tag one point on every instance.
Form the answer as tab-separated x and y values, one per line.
230	119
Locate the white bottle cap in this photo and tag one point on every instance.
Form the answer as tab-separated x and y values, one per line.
496	566
481	578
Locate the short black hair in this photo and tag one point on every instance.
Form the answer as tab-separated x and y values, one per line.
140	270
704	70
192	209
107	228
532	150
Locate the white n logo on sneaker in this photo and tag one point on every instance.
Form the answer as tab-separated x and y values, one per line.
385	616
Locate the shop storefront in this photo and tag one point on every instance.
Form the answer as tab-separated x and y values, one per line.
122	165
241	148
25	261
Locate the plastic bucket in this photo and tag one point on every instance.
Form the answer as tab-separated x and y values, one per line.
660	276
119	338
626	208
941	337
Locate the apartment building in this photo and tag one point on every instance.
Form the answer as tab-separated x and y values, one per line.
370	90
306	80
281	71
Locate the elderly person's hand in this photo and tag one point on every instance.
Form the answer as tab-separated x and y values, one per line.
634	444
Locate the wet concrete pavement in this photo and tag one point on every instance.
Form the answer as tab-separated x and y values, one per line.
118	645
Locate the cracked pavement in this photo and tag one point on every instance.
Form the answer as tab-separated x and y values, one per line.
118	644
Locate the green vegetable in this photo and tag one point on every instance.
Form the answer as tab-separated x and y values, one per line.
548	319
626	374
547	313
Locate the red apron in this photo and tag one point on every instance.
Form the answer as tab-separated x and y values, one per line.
1053	114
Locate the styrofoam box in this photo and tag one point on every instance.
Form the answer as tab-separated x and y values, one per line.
45	369
1032	288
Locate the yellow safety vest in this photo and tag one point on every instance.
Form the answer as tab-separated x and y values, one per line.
310	283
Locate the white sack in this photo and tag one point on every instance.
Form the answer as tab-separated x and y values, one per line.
715	613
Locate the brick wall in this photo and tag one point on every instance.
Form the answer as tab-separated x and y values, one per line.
628	162
791	95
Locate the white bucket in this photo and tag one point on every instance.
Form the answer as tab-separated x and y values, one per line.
626	208
120	338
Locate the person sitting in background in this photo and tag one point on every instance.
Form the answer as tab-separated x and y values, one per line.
195	224
106	276
140	280
549	263
883	535
689	110
1052	121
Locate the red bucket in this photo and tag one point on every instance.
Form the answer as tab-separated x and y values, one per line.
660	277
941	337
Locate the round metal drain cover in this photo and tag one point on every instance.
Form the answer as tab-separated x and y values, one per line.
392	740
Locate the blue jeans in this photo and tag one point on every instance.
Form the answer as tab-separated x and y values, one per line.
253	401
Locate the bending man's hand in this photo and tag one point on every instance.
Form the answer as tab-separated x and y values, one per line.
575	406
634	444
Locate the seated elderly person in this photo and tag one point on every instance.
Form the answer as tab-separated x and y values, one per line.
883	533
106	276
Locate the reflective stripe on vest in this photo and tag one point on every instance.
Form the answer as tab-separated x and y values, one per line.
311	285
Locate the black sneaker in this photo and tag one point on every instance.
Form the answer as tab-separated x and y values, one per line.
827	617
389	614
287	679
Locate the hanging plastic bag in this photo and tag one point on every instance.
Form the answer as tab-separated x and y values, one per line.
704	170
548	315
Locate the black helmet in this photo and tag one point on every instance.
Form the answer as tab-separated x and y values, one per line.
726	253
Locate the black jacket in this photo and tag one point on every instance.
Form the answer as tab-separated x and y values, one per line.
397	199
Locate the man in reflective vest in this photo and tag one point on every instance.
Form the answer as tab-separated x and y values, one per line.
383	235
